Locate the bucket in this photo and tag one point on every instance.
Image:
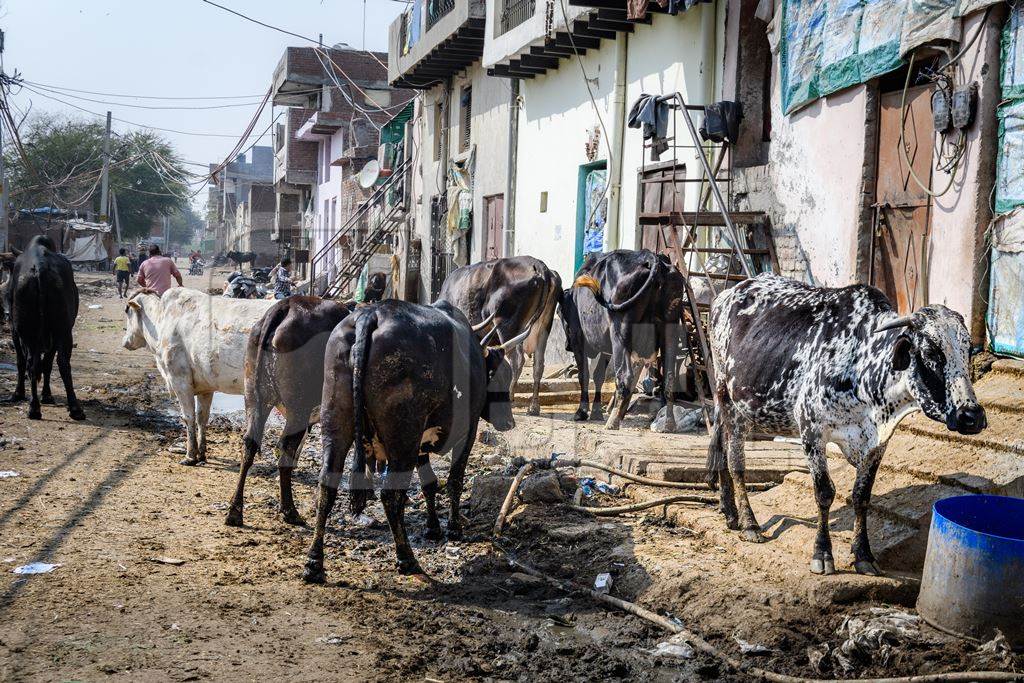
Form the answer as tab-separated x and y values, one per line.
973	579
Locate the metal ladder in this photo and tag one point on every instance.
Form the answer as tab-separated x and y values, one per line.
707	232
381	215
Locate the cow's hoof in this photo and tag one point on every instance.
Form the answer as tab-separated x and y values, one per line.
533	410
191	462
752	536
580	415
234	518
824	566
433	534
35	414
314	573
732	523
47	401
17	398
76	414
612	425
867	567
454	533
596	415
292	517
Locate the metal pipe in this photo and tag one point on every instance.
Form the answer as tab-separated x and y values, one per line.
508	231
618	133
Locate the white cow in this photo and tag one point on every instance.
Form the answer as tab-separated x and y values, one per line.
199	344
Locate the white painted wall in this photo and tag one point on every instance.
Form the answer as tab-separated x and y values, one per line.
558	117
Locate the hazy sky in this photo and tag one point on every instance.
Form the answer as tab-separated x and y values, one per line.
179	48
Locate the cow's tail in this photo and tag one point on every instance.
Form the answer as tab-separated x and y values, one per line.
594	286
358	493
716	454
266	338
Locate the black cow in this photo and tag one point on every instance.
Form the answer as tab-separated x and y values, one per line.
44	305
587	336
404	381
376	285
284	368
829	365
240	257
644	296
503	297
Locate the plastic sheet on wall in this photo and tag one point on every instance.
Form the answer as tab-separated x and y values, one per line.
1013	54
1005	312
828	46
1010	161
927	21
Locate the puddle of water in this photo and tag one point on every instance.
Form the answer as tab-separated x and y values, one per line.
8	367
226	404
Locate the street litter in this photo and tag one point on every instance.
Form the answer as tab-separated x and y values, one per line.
93	307
874	635
673	647
603	583
589	486
332	639
167	560
364	520
748	648
7	474
35	568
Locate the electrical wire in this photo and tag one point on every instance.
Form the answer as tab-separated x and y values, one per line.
147	106
145	97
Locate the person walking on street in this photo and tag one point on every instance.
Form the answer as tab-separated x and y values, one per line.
281	276
157	270
123	272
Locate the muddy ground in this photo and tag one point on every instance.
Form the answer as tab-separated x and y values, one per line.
107	500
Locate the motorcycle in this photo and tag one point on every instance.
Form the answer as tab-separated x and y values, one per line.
241	286
196	268
261	275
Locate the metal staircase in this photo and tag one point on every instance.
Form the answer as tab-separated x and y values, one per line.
373	225
713	246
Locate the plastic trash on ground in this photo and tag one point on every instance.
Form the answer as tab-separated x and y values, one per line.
7	474
874	635
687	420
35	568
749	648
603	583
674	647
589	486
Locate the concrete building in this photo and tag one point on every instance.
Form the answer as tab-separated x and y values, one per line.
337	98
230	210
459	151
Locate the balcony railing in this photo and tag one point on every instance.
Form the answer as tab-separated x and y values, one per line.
515	12
437	9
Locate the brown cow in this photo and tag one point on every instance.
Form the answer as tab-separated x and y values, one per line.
284	368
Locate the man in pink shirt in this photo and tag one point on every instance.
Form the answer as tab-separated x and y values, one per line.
156	272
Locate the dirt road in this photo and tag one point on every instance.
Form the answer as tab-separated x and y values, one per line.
152	585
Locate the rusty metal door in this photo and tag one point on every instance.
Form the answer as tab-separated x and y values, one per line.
494	211
899	263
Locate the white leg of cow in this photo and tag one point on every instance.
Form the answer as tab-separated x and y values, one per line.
187	403
517	359
863	560
824	494
203	402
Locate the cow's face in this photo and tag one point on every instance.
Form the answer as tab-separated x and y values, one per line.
134	333
498	406
934	350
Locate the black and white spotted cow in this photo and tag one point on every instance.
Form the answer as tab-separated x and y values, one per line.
829	365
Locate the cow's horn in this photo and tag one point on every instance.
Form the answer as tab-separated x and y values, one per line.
904	321
484	323
515	340
483	342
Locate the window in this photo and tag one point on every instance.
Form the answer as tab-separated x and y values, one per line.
515	12
467	118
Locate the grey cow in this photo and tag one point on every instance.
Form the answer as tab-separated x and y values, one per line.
829	365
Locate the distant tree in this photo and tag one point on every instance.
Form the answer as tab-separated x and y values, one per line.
183	226
64	160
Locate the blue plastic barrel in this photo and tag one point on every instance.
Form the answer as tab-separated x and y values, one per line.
973	579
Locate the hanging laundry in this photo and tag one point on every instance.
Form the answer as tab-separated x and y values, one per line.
637	9
651	116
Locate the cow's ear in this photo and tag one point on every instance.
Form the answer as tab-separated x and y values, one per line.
134	304
901	352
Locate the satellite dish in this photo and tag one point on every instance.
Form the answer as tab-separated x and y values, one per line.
369	175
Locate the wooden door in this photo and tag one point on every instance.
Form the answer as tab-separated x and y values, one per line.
494	212
660	197
899	264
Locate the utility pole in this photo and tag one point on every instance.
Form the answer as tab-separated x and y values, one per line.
105	186
3	179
